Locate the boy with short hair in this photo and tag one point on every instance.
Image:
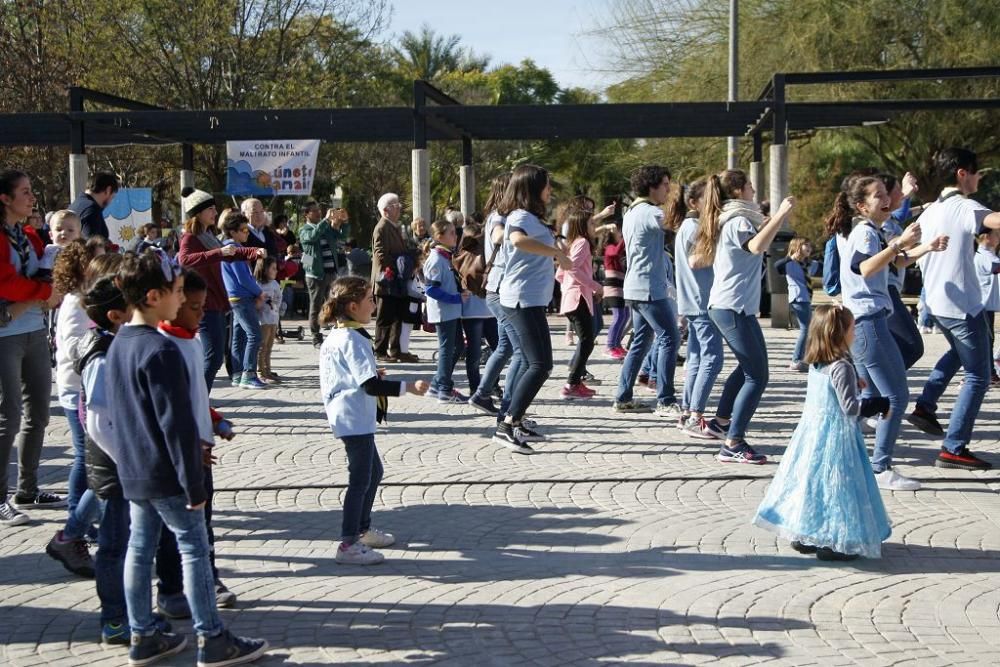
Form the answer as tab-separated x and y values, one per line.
955	300
158	451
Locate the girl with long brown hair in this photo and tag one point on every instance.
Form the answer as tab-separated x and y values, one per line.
732	238
579	289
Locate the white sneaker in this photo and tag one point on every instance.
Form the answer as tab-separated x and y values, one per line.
890	480
358	554
376	539
672	411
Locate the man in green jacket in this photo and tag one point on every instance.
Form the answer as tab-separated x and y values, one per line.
319	238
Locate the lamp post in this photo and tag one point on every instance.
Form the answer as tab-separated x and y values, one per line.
733	143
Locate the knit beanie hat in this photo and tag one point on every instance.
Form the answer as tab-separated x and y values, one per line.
195	201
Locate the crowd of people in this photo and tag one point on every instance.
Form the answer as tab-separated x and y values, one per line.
140	338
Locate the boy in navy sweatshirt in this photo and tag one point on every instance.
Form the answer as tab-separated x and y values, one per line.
158	451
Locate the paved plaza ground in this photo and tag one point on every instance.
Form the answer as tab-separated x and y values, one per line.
620	541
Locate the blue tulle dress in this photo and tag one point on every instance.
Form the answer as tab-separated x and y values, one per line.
824	492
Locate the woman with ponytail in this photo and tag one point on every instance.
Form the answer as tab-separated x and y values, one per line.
864	277
732	237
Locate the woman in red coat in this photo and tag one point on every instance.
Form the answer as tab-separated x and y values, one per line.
203	252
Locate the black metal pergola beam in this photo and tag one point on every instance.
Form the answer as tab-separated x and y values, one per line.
868	76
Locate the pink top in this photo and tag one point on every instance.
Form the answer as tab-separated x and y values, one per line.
578	283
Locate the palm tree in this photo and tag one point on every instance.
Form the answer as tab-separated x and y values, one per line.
428	55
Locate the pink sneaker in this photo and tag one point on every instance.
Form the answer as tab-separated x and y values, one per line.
616	353
570	392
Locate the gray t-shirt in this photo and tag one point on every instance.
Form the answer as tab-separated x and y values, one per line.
693	285
736	285
645	274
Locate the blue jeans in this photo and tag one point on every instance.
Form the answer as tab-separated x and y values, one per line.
212	331
880	365
904	330
970	349
504	351
473	329
704	362
246	337
188	526
364	474
109	561
745	385
655	324
536	345
450	346
803	314
619	318
84	505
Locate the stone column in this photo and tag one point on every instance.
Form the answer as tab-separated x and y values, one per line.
467	188
78	174
421	175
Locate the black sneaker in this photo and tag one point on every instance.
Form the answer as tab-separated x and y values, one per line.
9	516
173	606
497	392
803	548
42	500
527	433
588	378
484	404
926	421
155	647
826	553
224	598
506	436
963	459
227	649
318	340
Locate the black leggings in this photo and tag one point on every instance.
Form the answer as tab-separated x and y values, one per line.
536	349
583	323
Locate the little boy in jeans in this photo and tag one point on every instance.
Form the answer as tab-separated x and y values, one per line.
157	449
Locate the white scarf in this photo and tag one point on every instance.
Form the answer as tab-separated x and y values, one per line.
733	208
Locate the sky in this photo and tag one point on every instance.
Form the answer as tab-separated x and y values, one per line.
550	32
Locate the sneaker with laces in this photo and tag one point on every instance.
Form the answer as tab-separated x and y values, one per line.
571	392
926	421
226	649
616	353
252	382
507	436
454	397
891	480
670	411
73	554
431	393
963	459
376	539
358	553
631	407
483	404
236	380
530	424
682	419
718	430
224	598
9	516
589	378
43	500
740	453
700	428
528	434
155	647
119	634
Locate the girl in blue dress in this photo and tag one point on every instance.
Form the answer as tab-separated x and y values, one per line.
824	497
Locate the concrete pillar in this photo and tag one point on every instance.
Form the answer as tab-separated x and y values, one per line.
78	174
757	180
467	188
421	177
780	315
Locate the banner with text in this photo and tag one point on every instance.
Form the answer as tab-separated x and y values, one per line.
275	167
129	210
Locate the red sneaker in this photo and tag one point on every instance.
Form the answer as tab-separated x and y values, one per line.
963	458
570	392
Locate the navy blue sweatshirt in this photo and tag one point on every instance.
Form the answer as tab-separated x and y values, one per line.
156	444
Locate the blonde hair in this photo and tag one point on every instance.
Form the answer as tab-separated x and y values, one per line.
59	216
827	337
796	244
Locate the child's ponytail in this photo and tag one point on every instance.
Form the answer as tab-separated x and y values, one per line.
343	292
852	193
707	237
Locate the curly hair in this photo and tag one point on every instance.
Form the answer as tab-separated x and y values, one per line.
69	272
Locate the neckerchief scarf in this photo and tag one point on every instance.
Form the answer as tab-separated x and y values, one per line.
732	208
381	402
19	241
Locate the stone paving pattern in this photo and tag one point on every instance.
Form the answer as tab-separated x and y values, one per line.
622	541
